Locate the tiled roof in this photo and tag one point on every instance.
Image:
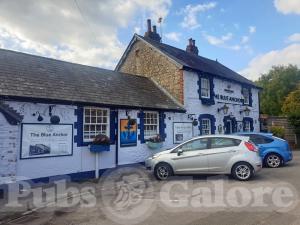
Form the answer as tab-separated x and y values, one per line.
195	62
28	76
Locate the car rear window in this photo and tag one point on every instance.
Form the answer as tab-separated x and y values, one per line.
260	139
220	142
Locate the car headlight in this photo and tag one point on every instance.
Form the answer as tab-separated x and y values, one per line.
155	156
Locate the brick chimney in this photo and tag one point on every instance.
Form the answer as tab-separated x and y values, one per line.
191	47
152	34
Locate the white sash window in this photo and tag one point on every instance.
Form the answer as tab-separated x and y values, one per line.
95	121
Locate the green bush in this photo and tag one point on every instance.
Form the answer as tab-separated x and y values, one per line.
277	131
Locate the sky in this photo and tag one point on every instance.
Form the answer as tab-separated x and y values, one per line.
248	36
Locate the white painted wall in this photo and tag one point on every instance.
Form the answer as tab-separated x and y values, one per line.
193	104
81	160
8	150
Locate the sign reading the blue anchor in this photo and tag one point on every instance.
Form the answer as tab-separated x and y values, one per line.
128	132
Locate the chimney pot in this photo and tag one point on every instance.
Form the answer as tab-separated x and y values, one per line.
154	29
192	48
149	25
152	34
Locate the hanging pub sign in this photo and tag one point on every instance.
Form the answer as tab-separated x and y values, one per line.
128	132
46	140
182	132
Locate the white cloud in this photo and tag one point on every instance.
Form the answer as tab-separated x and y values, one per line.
287	6
137	30
263	63
227	37
294	38
252	29
213	40
191	13
233	47
56	29
173	36
221	41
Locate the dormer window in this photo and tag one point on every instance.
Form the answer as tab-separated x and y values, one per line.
246	95
205	88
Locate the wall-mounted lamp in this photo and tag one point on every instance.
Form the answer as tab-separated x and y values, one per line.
246	111
40	118
127	114
224	108
195	122
191	116
51	109
131	122
54	119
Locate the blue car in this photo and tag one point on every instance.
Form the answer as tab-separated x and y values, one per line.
274	151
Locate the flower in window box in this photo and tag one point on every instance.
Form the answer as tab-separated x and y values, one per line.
154	142
100	143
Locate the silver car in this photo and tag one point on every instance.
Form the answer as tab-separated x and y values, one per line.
213	154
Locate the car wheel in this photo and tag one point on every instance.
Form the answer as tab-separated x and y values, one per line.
242	171
273	160
162	171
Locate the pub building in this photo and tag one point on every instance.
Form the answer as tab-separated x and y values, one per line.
51	110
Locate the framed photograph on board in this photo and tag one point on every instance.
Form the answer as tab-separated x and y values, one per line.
46	140
182	132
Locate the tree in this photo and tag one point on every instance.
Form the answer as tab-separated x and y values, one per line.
277	84
291	108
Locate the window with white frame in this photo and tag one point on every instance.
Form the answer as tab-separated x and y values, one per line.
151	124
95	121
205	126
205	88
246	96
247	127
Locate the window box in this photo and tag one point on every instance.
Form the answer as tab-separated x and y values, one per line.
154	145
154	142
99	148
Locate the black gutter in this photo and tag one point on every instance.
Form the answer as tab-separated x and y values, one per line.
78	103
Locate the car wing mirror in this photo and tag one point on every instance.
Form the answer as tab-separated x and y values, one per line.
179	152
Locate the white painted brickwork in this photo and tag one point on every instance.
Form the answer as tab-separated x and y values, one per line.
193	104
8	150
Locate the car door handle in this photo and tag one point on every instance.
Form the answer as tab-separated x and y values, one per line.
233	151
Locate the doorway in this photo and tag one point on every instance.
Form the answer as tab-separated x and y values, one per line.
230	125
